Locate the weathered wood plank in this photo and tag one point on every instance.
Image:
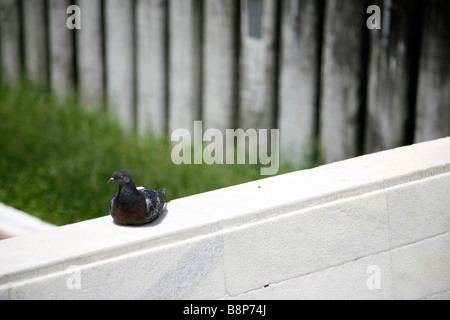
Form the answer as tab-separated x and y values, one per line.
120	77
257	96
433	98
61	48
341	79
184	63
299	74
90	60
35	41
390	77
10	67
220	64
151	62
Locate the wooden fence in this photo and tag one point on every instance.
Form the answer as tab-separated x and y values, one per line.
312	68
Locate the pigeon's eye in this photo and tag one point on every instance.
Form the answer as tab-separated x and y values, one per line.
121	176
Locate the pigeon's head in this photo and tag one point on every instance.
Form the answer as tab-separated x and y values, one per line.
121	177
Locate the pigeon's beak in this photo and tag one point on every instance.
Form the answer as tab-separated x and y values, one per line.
111	180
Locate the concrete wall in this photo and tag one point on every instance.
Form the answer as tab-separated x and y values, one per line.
371	227
14	223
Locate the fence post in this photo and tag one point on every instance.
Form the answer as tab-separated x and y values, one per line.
35	41
120	76
299	73
433	98
151	62
10	41
390	77
61	48
90	60
341	79
184	63
220	64
257	96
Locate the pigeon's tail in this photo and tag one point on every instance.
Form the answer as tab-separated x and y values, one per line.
161	199
157	200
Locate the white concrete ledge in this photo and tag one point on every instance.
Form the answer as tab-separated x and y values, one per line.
15	223
376	226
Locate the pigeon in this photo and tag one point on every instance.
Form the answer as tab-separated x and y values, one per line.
131	205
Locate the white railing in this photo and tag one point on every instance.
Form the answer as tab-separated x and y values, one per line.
376	226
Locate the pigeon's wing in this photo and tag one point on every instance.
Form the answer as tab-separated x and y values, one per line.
154	200
111	203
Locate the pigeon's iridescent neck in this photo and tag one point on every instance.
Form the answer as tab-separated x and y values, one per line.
128	191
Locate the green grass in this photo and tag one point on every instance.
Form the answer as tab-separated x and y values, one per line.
56	158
